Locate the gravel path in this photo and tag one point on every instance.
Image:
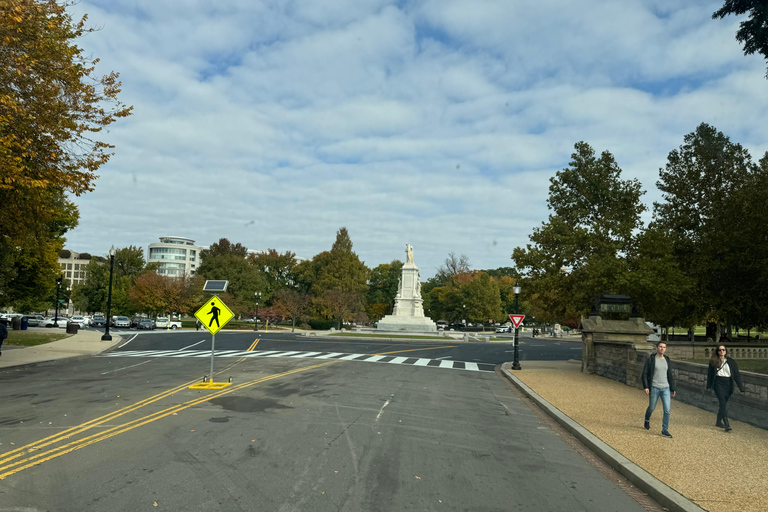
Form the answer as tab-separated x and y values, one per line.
719	471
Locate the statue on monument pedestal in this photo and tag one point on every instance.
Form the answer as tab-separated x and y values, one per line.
408	311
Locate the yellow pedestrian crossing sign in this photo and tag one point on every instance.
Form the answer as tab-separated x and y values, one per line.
214	314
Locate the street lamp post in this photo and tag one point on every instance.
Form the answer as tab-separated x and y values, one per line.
56	314
516	362
256	315
106	336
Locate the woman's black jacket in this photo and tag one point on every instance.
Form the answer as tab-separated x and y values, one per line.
650	365
735	375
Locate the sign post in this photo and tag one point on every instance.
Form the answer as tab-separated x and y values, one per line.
213	315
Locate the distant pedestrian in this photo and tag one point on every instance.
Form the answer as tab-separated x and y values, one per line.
198	324
722	373
3	335
658	383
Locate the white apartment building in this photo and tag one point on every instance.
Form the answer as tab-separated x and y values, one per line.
177	256
73	266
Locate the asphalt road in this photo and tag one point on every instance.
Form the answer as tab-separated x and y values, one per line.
291	433
486	353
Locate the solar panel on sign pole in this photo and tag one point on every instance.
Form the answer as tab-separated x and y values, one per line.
215	286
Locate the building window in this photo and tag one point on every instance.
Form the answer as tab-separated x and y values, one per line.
69	266
192	254
69	274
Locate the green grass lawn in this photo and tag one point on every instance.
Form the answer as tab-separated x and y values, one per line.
30	339
745	365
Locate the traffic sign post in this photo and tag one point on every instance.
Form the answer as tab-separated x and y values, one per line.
213	315
516	320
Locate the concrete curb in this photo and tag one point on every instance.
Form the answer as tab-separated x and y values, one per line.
656	489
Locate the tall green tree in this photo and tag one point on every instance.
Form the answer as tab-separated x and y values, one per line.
227	261
581	251
705	184
277	270
52	108
482	299
382	289
753	32
340	268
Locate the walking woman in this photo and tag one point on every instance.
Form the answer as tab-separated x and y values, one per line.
723	372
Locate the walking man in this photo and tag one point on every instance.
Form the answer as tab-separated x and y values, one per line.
658	383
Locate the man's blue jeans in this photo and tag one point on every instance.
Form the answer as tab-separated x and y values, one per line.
666	399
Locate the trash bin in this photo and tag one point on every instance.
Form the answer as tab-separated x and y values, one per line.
24	323
16	323
72	328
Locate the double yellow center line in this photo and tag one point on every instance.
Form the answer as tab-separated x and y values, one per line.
38	452
21	458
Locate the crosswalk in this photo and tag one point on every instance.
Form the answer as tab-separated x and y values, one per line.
365	358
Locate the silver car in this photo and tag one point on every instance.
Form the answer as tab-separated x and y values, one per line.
121	321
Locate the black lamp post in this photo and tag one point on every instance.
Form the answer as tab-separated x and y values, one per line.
256	315
516	363
56	314
106	336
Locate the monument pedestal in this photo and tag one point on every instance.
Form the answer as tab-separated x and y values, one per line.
408	313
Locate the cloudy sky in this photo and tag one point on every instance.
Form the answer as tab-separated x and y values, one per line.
436	123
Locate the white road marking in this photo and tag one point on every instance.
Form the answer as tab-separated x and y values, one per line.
190	346
382	408
130	340
398	360
470	366
126	367
446	364
421	362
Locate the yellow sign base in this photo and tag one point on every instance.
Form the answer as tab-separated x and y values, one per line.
210	385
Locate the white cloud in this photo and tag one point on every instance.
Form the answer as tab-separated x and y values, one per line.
434	123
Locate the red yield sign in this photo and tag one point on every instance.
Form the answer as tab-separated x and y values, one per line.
516	320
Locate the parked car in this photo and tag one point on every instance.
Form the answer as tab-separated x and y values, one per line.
52	322
504	328
7	318
79	320
135	322
34	320
121	321
441	325
146	323
163	322
98	321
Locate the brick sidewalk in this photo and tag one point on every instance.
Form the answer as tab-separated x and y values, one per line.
718	471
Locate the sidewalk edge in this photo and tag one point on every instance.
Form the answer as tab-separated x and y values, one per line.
656	489
56	359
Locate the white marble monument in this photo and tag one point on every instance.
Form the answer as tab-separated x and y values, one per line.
408	314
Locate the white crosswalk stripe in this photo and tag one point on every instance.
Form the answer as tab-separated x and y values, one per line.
367	358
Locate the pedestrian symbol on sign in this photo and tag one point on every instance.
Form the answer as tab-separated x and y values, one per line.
215	314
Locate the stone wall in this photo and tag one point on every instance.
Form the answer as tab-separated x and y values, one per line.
750	407
687	350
